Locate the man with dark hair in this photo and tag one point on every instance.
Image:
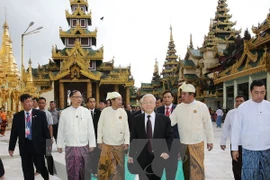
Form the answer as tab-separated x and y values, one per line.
41	105
252	126
35	103
194	122
158	102
31	127
167	109
55	116
102	104
226	132
95	113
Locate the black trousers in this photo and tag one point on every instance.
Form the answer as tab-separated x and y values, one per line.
2	169
55	130
172	162
94	159
237	165
147	166
28	158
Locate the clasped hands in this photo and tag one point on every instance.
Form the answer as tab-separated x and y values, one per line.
164	156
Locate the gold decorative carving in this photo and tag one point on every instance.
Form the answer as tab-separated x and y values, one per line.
61	95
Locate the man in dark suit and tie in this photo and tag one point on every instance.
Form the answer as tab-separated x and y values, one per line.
167	109
31	127
151	139
95	113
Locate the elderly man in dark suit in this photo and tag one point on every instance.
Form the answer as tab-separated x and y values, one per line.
167	109
95	113
31	126
151	139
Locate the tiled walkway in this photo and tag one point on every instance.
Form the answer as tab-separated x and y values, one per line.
217	162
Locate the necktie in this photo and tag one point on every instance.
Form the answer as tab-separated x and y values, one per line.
92	114
167	111
149	134
28	127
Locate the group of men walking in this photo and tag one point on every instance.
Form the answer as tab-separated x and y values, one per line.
155	139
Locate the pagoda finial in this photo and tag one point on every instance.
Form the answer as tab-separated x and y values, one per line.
156	66
5	25
171	36
191	43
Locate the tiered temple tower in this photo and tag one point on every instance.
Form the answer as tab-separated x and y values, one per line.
79	66
169	71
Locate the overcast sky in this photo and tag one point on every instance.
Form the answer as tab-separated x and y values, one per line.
135	32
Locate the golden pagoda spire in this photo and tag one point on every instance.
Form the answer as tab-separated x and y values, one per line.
30	87
30	75
9	67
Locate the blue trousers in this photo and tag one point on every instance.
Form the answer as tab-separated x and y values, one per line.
256	165
219	119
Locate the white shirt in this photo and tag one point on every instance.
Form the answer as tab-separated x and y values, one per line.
252	126
113	127
227	127
76	128
152	119
48	116
219	112
193	122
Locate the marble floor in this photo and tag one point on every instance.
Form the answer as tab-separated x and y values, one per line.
217	162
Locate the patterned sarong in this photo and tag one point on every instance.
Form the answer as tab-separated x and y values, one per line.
256	165
78	163
111	163
193	161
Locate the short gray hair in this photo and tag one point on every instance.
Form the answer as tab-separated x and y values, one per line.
148	95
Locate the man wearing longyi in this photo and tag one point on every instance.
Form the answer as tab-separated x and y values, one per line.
193	120
113	139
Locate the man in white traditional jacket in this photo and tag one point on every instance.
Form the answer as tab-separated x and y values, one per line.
76	133
193	120
226	133
252	127
113	139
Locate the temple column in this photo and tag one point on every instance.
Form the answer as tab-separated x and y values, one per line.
224	96
235	89
268	85
250	79
127	95
116	88
89	89
61	95
97	94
